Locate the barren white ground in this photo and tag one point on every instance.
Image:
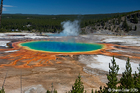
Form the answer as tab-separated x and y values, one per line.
102	62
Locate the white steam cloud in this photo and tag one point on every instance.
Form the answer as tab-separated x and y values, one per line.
71	28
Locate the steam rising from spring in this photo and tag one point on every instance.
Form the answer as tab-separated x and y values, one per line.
71	28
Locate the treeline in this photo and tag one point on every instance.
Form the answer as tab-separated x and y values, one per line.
128	83
120	22
133	18
49	23
102	18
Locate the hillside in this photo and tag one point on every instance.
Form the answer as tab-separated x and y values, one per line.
114	23
128	24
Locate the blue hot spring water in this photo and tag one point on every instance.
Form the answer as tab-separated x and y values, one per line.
55	46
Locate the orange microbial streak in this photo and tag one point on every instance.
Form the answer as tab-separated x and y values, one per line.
28	58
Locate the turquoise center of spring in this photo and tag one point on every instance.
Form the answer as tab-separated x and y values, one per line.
55	46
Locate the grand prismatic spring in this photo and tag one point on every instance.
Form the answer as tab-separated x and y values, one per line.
61	47
44	53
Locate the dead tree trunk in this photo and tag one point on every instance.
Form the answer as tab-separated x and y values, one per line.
1	11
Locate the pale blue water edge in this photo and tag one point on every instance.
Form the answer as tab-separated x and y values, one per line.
53	46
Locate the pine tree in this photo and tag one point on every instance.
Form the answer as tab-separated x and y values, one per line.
137	79
48	91
112	76
119	20
135	27
127	80
78	86
2	91
55	91
135	19
86	24
125	26
92	91
96	91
